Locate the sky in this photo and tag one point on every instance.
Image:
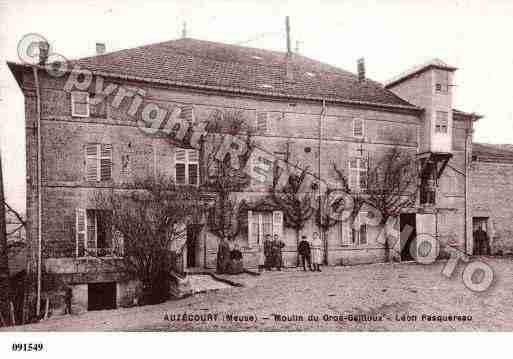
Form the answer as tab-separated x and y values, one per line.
392	36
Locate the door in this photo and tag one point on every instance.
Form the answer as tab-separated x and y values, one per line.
101	296
481	236
408	228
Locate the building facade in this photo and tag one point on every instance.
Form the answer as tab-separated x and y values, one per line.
491	174
83	136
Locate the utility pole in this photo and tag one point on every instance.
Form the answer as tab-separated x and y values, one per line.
4	260
287	27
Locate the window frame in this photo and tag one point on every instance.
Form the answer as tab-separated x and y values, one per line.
275	225
98	158
74	102
85	214
257	122
358	170
357	240
361	120
441	123
187	162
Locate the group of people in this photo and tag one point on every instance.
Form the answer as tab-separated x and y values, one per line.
270	254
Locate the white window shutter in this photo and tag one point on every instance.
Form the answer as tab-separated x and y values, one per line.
91	152
180	160
251	230
80	231
105	162
188	114
278	223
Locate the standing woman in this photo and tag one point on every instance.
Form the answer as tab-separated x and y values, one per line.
316	252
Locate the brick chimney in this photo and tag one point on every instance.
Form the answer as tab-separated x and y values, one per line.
100	48
361	69
44	48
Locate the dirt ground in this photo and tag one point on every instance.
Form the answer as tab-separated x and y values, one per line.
366	297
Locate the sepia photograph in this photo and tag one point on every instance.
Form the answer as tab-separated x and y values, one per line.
255	166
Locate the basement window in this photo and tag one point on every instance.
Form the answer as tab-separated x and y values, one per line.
80	104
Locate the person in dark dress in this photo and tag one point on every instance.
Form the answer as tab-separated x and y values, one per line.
277	246
223	256
304	253
482	242
236	266
268	263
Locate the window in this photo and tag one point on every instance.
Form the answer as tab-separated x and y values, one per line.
441	121
262	119
186	167
358	174
94	235
125	164
80	104
98	162
358	128
441	81
261	224
359	230
188	114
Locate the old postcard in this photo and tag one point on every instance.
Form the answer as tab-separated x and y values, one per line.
255	166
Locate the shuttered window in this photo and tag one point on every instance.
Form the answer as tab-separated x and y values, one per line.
80	104
358	128
262	119
94	236
186	167
188	114
261	224
98	162
441	121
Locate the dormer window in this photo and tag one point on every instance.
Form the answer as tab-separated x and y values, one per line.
358	128
441	121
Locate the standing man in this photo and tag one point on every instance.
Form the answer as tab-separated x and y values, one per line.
316	252
304	252
277	252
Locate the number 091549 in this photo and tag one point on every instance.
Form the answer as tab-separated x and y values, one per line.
27	347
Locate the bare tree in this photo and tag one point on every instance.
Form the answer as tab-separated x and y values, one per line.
325	217
391	186
297	205
147	221
4	260
222	178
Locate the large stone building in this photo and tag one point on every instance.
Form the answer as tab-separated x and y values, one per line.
492	185
85	139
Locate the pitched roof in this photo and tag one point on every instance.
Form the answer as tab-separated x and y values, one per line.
486	152
211	65
433	63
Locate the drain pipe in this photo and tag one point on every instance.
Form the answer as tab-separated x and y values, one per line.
39	197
